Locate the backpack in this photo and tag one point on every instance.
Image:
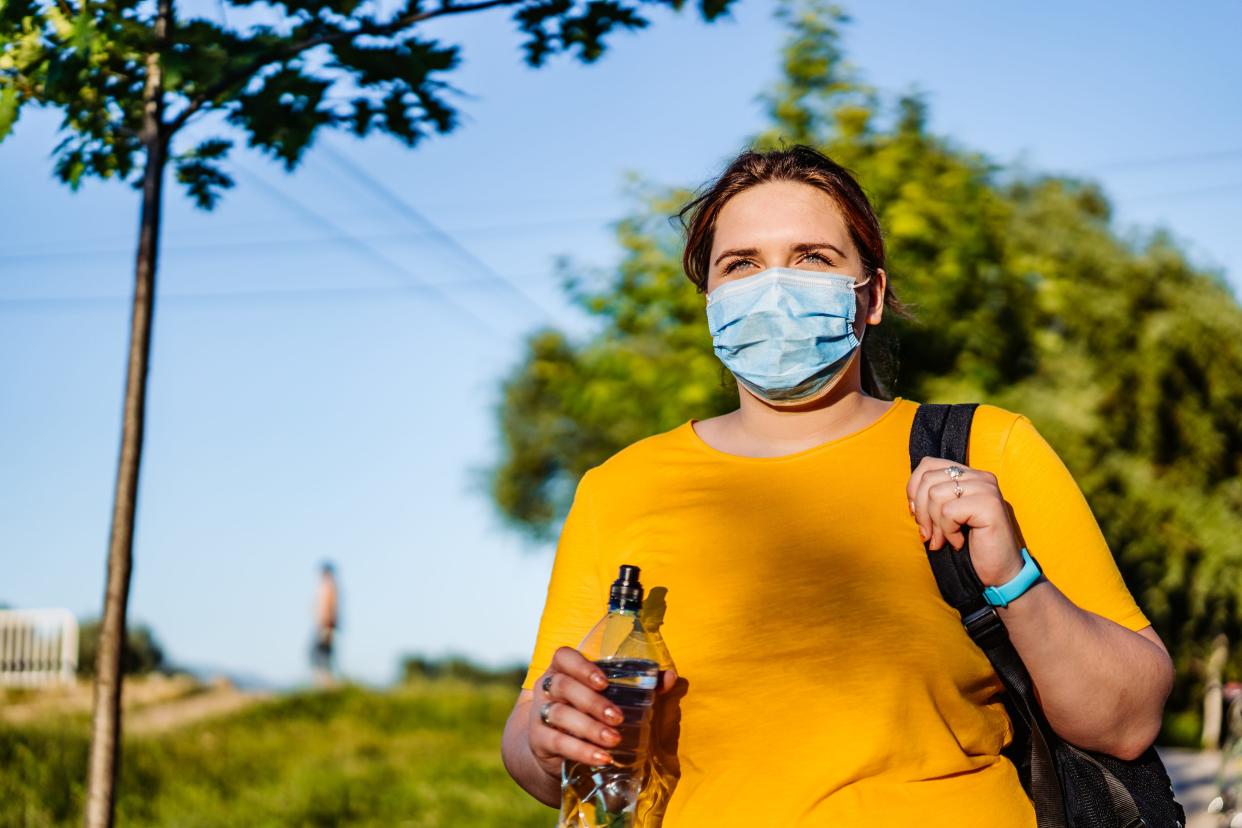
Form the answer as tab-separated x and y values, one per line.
1070	787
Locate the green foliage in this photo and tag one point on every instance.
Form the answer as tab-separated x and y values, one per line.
309	64
1182	729
572	405
143	654
816	82
1024	294
202	179
459	668
425	755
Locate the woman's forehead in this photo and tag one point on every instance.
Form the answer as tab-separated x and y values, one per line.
779	214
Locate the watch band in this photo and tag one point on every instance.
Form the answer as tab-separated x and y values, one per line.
1001	596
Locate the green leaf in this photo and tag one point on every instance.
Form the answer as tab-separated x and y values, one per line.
213	149
283	114
203	179
533	19
12	15
361	116
70	167
586	32
9	108
712	9
203	182
84	32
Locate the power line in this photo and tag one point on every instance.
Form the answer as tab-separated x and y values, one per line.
1125	165
392	200
387	196
301	294
308	216
1161	161
230	244
1218	189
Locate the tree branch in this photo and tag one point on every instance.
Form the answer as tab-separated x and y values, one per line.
372	28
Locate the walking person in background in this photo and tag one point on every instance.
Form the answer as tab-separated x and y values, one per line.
327	606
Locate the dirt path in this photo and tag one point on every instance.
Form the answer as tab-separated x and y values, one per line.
216	701
153	704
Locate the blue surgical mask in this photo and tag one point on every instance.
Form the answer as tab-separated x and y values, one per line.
784	333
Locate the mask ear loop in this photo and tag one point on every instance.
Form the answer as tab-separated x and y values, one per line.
866	325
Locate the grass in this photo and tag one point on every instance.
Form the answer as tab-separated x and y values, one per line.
426	755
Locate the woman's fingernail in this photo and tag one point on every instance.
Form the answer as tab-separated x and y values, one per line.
613	714
911	507
602	758
609	735
922	533
598	680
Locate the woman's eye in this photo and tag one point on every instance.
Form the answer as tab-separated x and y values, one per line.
821	257
733	265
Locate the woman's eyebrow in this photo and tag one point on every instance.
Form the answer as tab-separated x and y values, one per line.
803	247
806	247
737	251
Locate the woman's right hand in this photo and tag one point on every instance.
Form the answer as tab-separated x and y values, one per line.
581	721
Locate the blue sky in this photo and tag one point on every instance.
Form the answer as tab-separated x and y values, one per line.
309	400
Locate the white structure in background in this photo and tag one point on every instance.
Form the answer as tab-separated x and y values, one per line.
38	646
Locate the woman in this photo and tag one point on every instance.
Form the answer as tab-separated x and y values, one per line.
824	680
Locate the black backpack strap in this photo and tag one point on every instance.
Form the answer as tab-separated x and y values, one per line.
944	431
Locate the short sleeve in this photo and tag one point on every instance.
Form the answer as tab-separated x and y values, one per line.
573	604
1059	529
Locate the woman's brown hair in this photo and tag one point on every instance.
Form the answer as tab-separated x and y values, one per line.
804	165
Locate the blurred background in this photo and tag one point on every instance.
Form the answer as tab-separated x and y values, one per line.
399	360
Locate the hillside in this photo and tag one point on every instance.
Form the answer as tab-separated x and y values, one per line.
425	754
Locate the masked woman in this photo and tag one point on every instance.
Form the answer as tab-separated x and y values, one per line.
824	679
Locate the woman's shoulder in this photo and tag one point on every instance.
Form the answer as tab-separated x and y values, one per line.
995	434
639	460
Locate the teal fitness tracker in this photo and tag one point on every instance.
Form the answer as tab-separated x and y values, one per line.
1000	596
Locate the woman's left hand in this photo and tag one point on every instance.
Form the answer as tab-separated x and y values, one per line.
942	509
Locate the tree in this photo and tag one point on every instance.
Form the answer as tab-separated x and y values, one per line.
1024	294
131	77
142	652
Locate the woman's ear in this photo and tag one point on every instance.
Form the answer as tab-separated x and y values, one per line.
877	289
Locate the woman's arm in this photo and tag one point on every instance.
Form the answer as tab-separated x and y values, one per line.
580	721
518	759
1102	686
579	726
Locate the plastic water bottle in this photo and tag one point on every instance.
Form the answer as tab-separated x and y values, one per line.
607	796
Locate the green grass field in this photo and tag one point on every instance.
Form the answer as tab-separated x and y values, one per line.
426	754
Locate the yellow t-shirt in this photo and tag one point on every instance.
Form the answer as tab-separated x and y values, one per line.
827	681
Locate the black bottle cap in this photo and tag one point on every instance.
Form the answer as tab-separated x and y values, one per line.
626	592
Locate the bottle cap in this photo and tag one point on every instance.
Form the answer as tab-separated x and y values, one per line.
626	592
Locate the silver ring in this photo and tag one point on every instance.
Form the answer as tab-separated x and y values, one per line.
543	713
957	489
547	684
955	472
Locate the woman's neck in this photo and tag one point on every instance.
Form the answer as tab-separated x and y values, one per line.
757	429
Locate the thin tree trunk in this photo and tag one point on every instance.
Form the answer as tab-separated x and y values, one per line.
106	722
